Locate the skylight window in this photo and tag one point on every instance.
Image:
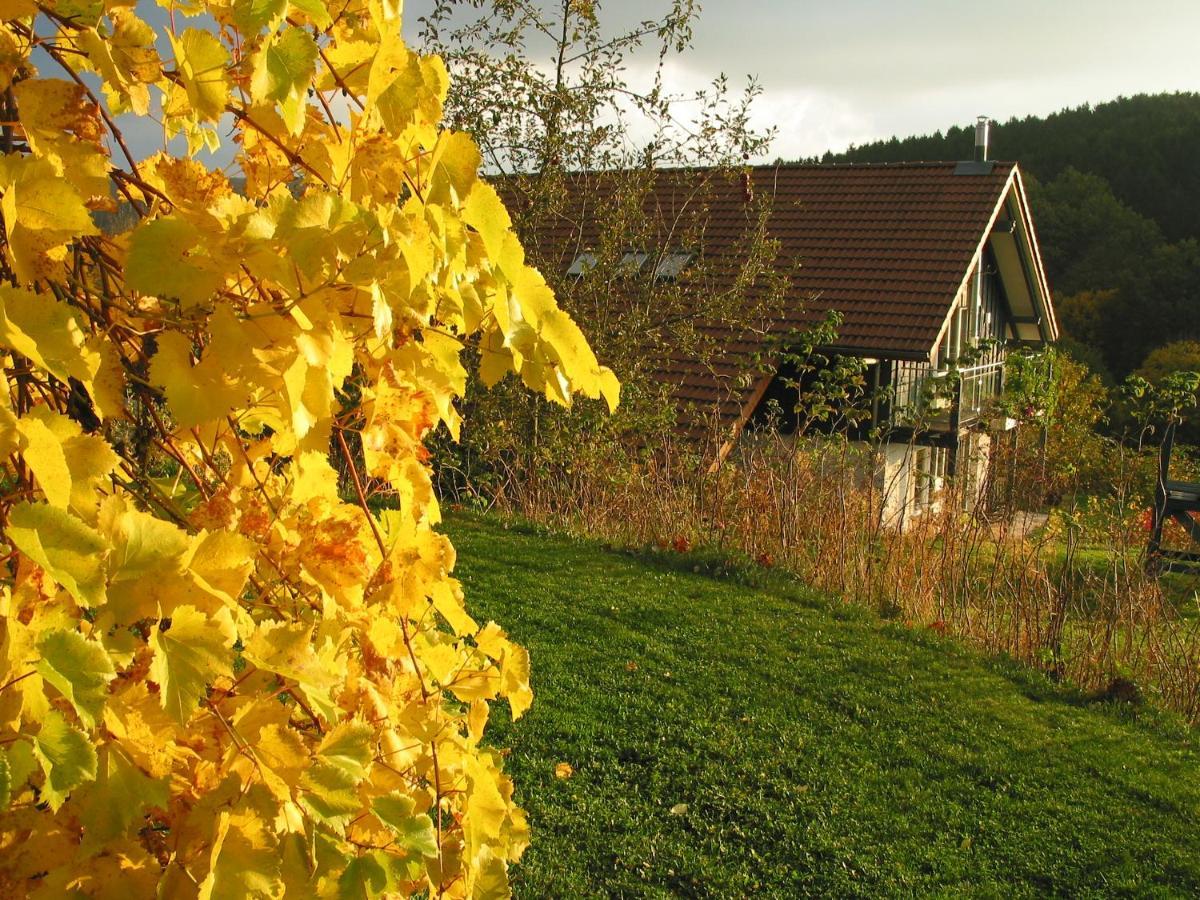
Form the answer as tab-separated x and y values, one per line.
632	262
672	264
583	264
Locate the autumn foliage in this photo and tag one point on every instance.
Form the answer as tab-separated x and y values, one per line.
221	673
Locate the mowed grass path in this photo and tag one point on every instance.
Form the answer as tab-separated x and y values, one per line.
732	741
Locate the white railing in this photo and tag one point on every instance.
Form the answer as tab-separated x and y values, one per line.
977	386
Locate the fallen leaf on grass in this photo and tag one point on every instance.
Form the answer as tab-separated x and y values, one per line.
679	809
563	770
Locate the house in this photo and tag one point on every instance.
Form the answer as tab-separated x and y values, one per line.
934	268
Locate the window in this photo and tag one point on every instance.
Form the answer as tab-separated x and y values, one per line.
632	262
672	265
583	264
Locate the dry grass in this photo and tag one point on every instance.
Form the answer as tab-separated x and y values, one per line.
1072	597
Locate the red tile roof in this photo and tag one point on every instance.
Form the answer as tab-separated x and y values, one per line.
886	245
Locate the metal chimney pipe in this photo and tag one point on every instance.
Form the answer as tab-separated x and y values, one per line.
983	128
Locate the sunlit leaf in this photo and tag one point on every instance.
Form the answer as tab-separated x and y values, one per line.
67	758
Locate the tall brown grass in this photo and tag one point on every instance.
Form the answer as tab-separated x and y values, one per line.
1072	596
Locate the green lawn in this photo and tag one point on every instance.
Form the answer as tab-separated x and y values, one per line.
730	740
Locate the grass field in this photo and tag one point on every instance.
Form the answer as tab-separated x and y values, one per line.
732	740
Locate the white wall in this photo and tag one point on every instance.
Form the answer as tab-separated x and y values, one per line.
896	484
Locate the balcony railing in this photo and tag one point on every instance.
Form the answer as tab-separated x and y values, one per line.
978	386
948	407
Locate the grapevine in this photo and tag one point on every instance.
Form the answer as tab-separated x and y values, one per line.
225	671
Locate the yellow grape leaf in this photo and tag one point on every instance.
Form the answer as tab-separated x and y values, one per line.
135	717
514	667
309	398
194	189
79	668
86	12
351	61
282	757
25	698
252	16
63	125
17	9
115	804
243	861
21	763
46	331
125	870
350	748
485	212
399	103
283	71
486	808
195	394
287	650
11	57
495	358
201	61
329	794
107	385
457	160
148	554
165	261
365	877
90	460
489	877
67	758
221	561
126	60
448	601
42	213
610	388
10	436
414	833
315	10
514	680
68	464
295	871
69	550
43	453
190	651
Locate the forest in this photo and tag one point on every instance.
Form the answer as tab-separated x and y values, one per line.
1113	189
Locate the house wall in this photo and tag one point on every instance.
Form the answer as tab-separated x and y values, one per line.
975	456
895	484
911	483
909	476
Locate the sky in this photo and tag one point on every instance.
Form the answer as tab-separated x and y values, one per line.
851	71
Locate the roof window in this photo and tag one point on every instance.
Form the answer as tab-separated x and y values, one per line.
632	262
583	264
672	264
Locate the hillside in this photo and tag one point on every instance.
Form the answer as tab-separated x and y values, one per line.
730	740
1143	146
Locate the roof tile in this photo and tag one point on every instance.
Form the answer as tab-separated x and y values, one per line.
886	245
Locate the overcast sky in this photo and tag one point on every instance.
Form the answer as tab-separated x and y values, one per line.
850	71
